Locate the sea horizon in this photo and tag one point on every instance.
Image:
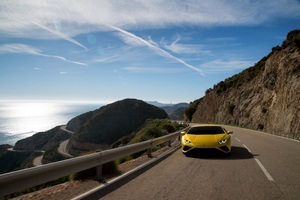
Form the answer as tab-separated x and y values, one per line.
21	119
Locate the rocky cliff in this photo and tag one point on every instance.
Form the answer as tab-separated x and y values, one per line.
264	97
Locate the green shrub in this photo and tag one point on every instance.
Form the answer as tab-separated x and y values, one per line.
124	159
192	109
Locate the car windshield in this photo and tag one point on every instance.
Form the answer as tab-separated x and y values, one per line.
206	130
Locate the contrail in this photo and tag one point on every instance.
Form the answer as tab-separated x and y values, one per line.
61	35
25	49
160	51
61	58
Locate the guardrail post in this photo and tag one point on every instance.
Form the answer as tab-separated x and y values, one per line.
169	143
99	172
149	152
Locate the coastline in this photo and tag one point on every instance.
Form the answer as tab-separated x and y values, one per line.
19	120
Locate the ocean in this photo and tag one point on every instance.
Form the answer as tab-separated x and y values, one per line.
21	119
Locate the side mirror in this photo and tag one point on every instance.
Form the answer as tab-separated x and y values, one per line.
230	132
182	133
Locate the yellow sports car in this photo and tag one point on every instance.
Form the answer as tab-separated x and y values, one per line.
205	136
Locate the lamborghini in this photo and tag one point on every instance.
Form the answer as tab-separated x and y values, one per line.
203	136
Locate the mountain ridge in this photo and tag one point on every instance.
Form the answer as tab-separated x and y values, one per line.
109	123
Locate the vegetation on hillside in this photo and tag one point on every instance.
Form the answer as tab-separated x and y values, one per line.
13	160
52	155
152	128
240	79
43	140
116	120
191	109
232	82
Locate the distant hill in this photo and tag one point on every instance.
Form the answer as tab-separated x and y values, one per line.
13	160
264	97
43	140
158	104
107	124
176	111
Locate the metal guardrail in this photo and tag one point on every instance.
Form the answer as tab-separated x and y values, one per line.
22	179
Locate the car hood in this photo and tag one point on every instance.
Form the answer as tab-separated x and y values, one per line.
205	139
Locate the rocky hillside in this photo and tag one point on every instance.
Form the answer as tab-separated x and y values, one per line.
111	122
264	97
43	140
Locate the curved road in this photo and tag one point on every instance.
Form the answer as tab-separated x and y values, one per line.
262	166
38	160
62	149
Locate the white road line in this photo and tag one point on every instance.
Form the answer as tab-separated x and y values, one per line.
264	170
247	148
237	139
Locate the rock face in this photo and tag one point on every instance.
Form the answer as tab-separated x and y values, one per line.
109	123
264	97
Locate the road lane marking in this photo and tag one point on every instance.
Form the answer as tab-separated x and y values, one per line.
238	139
264	170
247	148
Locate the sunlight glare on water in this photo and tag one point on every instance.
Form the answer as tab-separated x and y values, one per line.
22	119
31	109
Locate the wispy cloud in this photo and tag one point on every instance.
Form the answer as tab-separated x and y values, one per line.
60	35
153	70
85	16
135	40
25	49
177	47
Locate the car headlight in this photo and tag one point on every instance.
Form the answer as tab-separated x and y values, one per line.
223	141
187	141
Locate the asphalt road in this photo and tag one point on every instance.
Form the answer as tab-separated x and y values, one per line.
261	166
62	149
38	160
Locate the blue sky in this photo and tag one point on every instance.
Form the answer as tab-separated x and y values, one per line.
104	51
